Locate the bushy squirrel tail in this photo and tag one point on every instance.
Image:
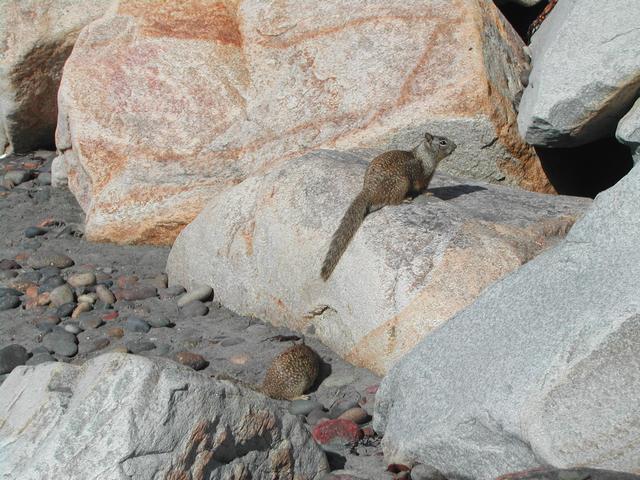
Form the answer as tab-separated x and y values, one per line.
348	226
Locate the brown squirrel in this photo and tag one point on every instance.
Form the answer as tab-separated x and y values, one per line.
390	178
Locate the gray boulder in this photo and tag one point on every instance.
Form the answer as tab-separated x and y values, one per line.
409	268
123	416
544	368
628	131
586	72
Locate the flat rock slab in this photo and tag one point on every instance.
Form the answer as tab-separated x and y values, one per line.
123	416
174	102
407	271
586	72
542	369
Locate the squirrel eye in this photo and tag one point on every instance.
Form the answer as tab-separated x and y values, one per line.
443	142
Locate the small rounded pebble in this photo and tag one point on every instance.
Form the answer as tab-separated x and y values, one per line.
65	310
230	342
50	283
107	317
162	350
126	281
72	328
46	323
139	346
44	259
199	293
105	295
372	389
194	309
190	359
82	279
315	416
80	309
32	232
115	332
339	380
356	415
93	345
303	407
160	281
44	178
62	295
137	292
39	358
240	359
159	322
89	298
8	302
91	322
342	406
8	264
44	299
120	349
8	274
61	342
171	292
18	176
339	430
135	324
12	356
9	292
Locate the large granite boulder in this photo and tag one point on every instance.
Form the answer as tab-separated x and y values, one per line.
122	416
628	131
543	368
36	38
163	105
586	72
408	269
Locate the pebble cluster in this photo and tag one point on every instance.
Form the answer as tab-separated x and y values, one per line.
63	299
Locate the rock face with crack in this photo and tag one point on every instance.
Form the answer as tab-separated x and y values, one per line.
123	416
408	269
36	38
586	72
542	369
165	105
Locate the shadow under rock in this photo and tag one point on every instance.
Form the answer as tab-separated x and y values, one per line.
323	373
447	193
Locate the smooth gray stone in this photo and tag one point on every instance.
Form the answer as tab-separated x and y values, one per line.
544	367
9	302
11	356
61	342
39	358
194	308
135	324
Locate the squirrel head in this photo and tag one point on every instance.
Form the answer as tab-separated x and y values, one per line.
441	147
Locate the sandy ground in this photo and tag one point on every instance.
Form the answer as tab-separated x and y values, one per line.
238	346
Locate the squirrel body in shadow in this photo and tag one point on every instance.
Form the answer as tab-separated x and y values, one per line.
391	177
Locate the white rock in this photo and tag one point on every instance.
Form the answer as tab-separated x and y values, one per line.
124	416
407	271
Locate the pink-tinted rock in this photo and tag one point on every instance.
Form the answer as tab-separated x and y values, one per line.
336	430
163	105
190	359
36	37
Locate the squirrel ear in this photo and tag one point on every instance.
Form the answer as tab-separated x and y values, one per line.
428	137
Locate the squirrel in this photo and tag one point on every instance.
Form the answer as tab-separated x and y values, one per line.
290	374
391	177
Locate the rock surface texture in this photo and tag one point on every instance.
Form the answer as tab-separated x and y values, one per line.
36	37
166	104
628	131
542	369
586	72
408	269
122	416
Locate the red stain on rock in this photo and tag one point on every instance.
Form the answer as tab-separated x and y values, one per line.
338	429
187	19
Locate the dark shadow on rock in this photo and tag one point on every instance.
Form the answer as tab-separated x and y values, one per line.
587	170
447	193
521	17
336	461
323	373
